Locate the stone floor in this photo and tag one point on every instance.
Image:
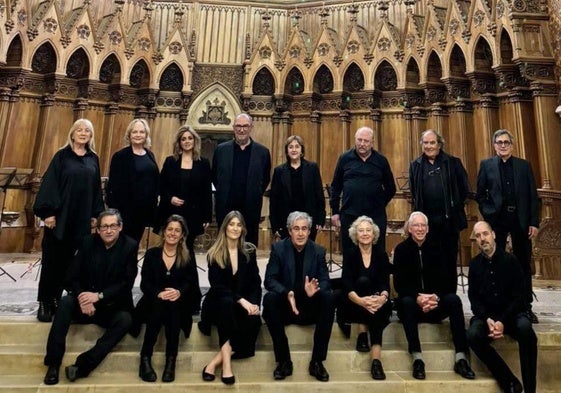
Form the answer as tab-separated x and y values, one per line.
18	297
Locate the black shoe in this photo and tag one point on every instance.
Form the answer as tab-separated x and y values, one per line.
145	370
317	370
228	380
283	370
362	342
207	376
51	377
513	386
345	329
44	313
419	369
533	317
204	328
72	373
376	370
169	369
462	367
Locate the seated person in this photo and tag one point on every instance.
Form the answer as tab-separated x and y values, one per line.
499	307
233	300
297	282
366	288
99	291
419	279
168	284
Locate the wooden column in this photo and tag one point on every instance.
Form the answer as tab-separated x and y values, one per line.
109	125
6	106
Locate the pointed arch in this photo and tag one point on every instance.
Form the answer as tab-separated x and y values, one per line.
44	59
457	62
78	65
412	75
483	56
294	83
385	77
353	80
323	80
14	55
506	51
172	78
216	97
140	75
110	70
434	68
263	83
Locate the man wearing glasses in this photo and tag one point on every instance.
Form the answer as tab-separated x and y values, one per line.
508	201
99	288
241	171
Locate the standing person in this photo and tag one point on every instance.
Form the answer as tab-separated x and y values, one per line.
364	178
185	185
298	288
439	186
499	308
168	282
419	279
241	170
100	292
132	187
508	201
296	186
233	300
366	288
68	201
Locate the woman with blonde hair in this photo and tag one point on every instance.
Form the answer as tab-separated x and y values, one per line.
234	298
68	202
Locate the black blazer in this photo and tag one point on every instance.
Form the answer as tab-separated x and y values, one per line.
378	272
281	194
280	273
489	191
119	189
258	177
198	201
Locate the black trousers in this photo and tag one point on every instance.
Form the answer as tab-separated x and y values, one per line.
116	323
318	310
348	219
169	315
350	312
444	236
520	329
521	245
450	306
56	258
233	323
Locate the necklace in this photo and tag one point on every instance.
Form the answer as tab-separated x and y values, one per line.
167	255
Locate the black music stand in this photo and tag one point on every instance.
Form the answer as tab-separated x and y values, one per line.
461	275
331	261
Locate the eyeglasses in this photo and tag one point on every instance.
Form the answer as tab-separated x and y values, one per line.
419	225
242	126
503	143
106	227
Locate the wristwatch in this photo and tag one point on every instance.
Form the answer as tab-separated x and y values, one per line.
100	295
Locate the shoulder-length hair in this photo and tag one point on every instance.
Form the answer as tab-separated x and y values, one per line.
183	257
291	139
218	253
353	229
128	132
177	143
89	126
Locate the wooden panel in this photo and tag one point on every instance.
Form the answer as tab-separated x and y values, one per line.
20	136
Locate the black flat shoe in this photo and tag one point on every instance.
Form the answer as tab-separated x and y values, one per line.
283	370
419	369
208	376
228	380
462	367
362	342
145	370
377	371
51	377
169	370
44	313
317	370
72	373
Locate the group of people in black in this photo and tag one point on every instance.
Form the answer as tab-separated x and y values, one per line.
98	270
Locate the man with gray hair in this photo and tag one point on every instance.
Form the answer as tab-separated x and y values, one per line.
439	186
365	180
298	288
508	201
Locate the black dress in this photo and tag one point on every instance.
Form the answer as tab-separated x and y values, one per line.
221	308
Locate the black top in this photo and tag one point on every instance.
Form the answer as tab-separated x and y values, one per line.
434	192
378	272
70	191
367	186
236	198
507	182
111	271
496	286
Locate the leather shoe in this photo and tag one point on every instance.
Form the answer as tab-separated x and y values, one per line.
44	313
345	329
283	370
533	317
462	367
145	370
317	370
228	380
207	376
72	373
513	386
419	369
204	328
376	370
169	369
362	342
51	377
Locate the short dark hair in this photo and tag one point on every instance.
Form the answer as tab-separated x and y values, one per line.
439	139
110	212
502	132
